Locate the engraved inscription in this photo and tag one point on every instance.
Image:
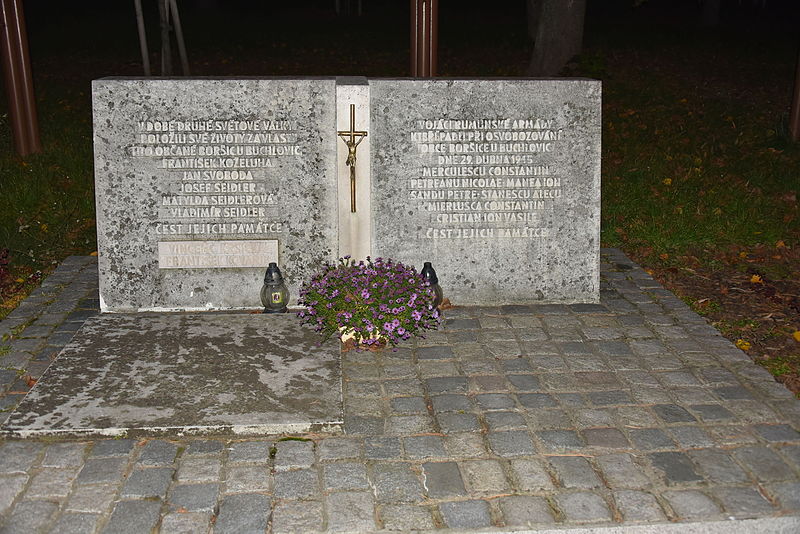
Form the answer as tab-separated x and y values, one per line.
216	254
486	178
220	174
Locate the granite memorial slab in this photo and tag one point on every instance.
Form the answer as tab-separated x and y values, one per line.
497	182
200	183
186	374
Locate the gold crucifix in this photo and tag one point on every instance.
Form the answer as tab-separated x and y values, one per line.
349	138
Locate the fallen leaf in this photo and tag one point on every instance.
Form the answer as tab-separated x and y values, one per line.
780	244
667	181
30	381
796	335
756	279
93	253
742	344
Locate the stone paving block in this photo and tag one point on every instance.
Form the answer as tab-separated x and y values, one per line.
382	448
583	507
64	455
30	516
638	506
536	400
101	470
206	447
76	523
731	435
675	467
442	352
442	480
672	413
692	504
451	403
446	384
437	368
339	448
530	475
357	425
488	383
465	445
504	421
297	484
621	471
92	498
733	393
186	523
112	447
199	469
610	438
605	398
405	518
763	463
350	512
788	494
525	382
718	466
777	433
466	514
418	447
458	422
409	424
525	511
296	517
10	487
742	502
18	456
243	513
395	483
574	472
345	476
554	418
157	453
517	365
511	443
485	476
690	437
133	517
194	497
247	479
559	440
293	454
144	483
408	405
650	438
51	483
712	412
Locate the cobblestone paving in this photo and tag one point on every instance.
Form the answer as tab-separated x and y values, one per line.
630	412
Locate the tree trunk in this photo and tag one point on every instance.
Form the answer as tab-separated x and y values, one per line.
711	12
558	34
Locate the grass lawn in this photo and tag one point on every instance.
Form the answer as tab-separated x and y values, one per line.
700	180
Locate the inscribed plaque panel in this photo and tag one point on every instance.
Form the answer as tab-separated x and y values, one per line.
497	182
211	160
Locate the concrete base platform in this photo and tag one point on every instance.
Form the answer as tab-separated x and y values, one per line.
186	374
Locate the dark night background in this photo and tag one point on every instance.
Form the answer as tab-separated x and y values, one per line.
700	176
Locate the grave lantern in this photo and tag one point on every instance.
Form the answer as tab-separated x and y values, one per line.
274	293
430	276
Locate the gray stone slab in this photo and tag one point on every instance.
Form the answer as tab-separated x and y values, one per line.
504	172
186	165
186	373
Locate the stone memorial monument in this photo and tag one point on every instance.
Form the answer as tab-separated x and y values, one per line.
200	183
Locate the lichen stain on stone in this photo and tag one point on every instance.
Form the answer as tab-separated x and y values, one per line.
185	370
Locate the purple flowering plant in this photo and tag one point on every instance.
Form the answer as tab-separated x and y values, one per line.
374	301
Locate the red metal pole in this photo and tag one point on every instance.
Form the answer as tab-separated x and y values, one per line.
794	114
424	37
19	80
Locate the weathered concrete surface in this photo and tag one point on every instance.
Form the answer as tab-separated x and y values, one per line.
186	374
